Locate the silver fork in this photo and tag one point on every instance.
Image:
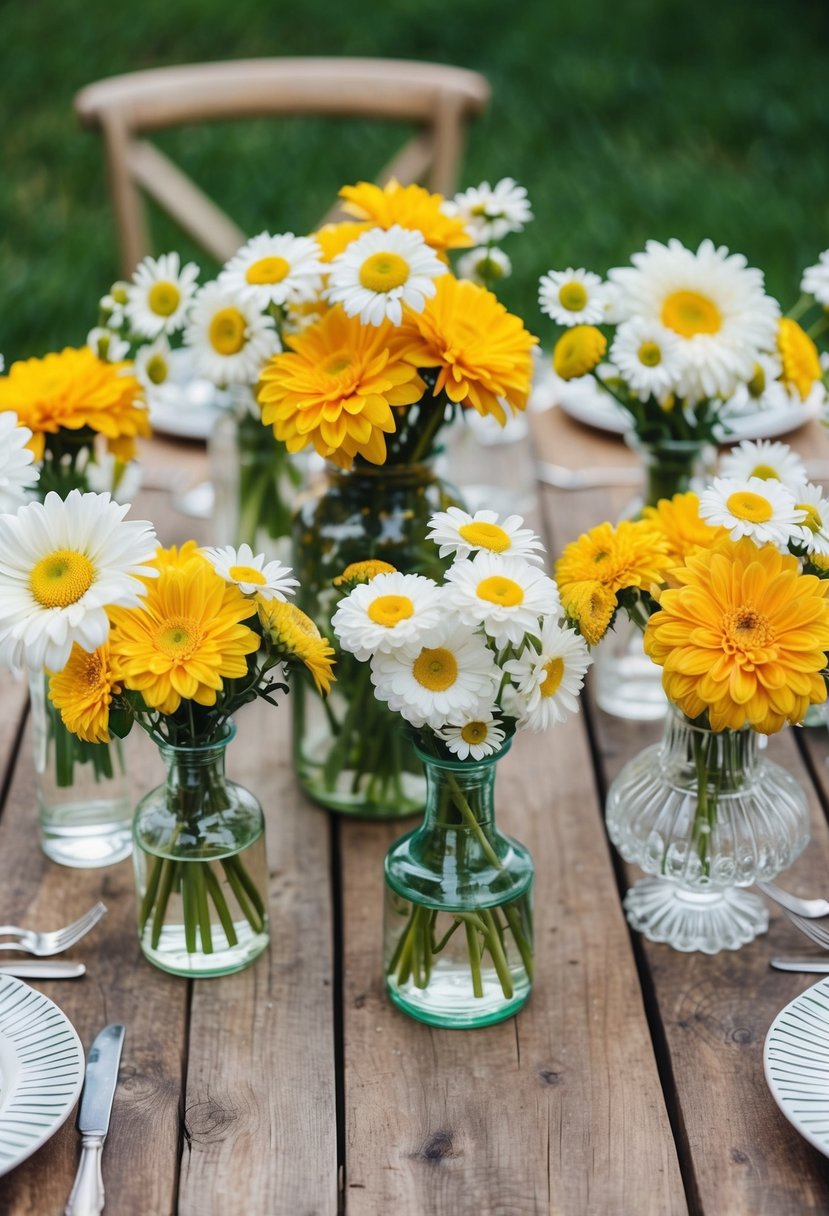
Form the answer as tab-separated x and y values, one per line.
54	941
809	908
813	929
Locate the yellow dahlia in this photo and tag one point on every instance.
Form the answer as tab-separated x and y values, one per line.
578	351
744	637
589	605
295	636
633	554
83	692
410	207
362	572
482	352
678	520
336	387
801	361
75	389
186	638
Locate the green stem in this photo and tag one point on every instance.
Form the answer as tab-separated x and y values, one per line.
200	894
474	960
250	913
214	890
496	952
165	887
147	902
514	922
471	822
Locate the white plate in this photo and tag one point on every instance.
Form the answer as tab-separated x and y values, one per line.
41	1070
796	1062
186	405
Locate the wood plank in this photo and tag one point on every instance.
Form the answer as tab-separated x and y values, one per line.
13	700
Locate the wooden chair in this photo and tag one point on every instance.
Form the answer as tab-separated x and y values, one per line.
437	97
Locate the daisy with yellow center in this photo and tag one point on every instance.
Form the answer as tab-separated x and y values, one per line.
476	737
801	361
814	531
18	472
336	387
767	459
230	338
270	270
409	207
549	675
83	693
648	359
678	520
578	351
505	595
744	638
492	212
362	572
589	607
382	271
572	297
459	533
252	573
296	638
763	510
633	554
389	611
159	295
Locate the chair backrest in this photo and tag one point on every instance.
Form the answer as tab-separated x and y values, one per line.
438	98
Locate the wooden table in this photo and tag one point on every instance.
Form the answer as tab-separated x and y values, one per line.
632	1082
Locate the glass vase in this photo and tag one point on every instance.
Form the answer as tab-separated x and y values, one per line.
200	867
705	814
83	792
350	751
458	912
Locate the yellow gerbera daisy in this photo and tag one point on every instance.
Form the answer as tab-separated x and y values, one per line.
801	361
296	636
633	554
482	352
186	638
578	351
410	207
589	605
362	572
75	389
334	238
335	388
679	521
744	637
83	692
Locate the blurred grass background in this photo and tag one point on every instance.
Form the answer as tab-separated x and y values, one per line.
653	118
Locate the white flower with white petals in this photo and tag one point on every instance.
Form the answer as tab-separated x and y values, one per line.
475	737
391	611
549	678
815	279
572	297
381	271
505	595
648	358
18	472
107	344
814	531
764	510
458	532
274	269
252	574
763	391
484	266
230	338
491	212
767	459
159	294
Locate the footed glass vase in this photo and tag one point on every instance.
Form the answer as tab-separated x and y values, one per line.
458	914
351	752
83	792
200	867
705	814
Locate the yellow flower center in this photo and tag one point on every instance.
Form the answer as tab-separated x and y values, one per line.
247	574
227	331
163	298
337	364
650	354
688	313
812	521
474	732
752	507
384	272
746	629
757	384
387	610
156	369
554	669
435	669
578	351
485	536
272	269
572	296
765	472
500	590
178	637
61	578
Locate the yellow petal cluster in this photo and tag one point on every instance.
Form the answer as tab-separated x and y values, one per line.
294	634
83	692
410	207
633	554
590	606
362	572
578	351
678	520
801	361
744	637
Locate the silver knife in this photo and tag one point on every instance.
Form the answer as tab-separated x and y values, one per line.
818	966
43	971
87	1198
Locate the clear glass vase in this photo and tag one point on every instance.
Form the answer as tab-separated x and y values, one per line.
705	814
200	867
83	791
350	751
458	914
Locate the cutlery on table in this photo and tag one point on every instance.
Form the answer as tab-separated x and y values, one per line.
56	940
809	908
87	1197
815	930
43	971
562	478
819	966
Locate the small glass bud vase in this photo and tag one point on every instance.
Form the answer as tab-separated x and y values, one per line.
458	915
705	814
200	867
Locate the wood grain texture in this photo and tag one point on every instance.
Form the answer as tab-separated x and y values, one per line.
13	699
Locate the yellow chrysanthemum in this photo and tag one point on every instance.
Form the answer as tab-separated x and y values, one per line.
362	572
482	352
578	351
75	389
590	606
801	361
744	637
296	636
678	520
83	692
410	207
633	554
176	556
186	638
336	387
334	238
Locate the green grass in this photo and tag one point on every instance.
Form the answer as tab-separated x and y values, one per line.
653	118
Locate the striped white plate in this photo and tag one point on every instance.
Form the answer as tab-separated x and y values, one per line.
41	1070
796	1060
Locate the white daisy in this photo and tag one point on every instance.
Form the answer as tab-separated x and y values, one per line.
764	390
648	358
475	736
491	212
764	458
391	611
549	680
381	271
814	531
441	681
815	279
764	510
18	472
107	344
504	594
712	300
171	380
158	296
458	532
272	269
229	337
112	305
484	266
572	297
106	474
253	575
63	563
152	365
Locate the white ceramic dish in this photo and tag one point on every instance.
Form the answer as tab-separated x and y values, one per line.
796	1062
41	1070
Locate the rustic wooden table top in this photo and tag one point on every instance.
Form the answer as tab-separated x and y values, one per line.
632	1082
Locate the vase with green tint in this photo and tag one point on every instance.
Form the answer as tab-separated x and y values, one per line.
458	910
200	867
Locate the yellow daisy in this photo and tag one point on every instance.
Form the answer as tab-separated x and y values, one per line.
633	554
83	692
678	520
578	351
295	636
589	605
410	207
801	361
362	572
